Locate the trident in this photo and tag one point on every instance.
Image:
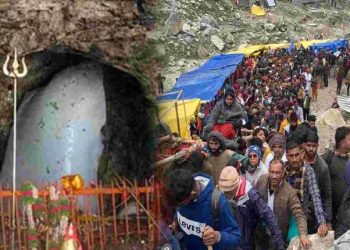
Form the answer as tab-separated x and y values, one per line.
14	73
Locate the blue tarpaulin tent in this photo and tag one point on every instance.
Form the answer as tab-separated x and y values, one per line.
333	45
205	81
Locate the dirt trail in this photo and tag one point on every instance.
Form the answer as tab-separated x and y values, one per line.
325	98
323	103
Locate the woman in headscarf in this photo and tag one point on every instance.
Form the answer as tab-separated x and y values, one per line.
226	116
255	167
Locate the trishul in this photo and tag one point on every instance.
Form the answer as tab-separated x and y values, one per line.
14	73
15	65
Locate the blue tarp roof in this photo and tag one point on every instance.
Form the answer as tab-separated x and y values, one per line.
205	81
333	45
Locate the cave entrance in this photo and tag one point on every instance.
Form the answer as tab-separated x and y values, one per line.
79	115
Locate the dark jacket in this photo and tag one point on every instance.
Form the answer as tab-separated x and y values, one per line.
250	209
323	180
223	113
286	203
343	217
193	217
336	171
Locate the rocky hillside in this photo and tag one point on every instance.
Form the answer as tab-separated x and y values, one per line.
193	30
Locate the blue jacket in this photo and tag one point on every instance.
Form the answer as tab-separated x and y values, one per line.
251	209
195	216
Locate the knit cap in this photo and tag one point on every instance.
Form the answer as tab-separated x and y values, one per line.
278	139
229	179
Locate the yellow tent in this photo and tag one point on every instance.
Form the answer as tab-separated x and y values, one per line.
277	46
257	10
186	111
247	51
309	43
250	49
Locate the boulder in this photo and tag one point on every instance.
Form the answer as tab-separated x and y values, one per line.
339	33
186	28
312	24
229	38
211	31
160	49
272	18
186	38
326	124
318	13
237	15
202	52
181	63
331	119
269	26
174	27
208	21
218	42
226	28
195	26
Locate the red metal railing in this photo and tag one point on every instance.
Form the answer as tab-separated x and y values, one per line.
107	227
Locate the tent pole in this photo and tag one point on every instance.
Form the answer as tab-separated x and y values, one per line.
177	119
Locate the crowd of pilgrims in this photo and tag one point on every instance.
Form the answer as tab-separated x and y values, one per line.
259	147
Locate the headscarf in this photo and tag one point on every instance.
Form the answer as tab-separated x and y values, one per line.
230	92
255	149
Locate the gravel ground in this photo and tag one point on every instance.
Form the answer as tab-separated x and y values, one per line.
325	98
323	103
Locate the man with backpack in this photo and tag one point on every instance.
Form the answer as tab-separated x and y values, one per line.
336	160
203	214
249	208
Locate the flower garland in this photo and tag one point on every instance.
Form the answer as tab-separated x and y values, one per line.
31	201
58	212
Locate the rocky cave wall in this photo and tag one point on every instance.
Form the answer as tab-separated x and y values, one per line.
54	33
109	31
